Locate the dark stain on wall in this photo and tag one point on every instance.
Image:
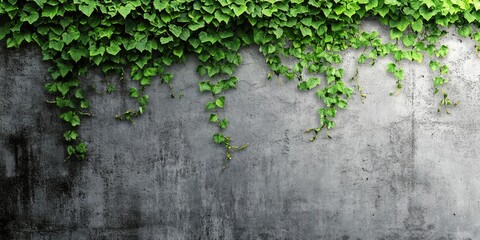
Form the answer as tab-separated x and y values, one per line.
18	190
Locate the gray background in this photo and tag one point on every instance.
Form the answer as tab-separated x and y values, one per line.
395	168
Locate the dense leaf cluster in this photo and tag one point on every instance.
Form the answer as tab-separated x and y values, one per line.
143	37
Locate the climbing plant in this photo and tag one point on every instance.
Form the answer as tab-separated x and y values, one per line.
138	39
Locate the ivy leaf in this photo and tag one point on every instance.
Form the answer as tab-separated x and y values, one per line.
210	106
31	17
371	4
392	2
434	65
233	45
417	56
442	51
40	2
213	118
403	24
76	54
306	31
391	67
429	3
196	26
409	40
220	102
56	45
309	84
395	34
70	135
219	138
465	31
398	74
50	11
221	17
239	10
417	26
223	124
126	9
84	104
444	69
134	92
167	78
340	9
204	86
87	8
113	49
70	150
160	4
165	40
438	81
175	30
71	118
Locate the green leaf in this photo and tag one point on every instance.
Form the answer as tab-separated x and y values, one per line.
371	4
113	49
219	138
126	9
391	67
309	84
403	24
71	118
84	104
167	78
238	10
442	51
213	118
417	56
196	26
40	2
88	8
223	124
417	26
210	106
395	34
160	4
221	17
204	86
134	92
56	45
49	11
465	31
165	40
70	150
233	45
175	30
434	65
70	135
398	74
76	54
220	102
306	31
409	40
392	2
31	17
438	81
444	69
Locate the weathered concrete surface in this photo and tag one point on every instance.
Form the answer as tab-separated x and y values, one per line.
395	168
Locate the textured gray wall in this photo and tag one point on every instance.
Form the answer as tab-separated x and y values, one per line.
395	168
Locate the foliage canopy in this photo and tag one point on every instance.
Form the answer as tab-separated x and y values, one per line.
143	37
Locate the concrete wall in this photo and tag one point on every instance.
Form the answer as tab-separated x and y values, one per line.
395	168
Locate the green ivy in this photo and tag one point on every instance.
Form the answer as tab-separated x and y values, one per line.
144	37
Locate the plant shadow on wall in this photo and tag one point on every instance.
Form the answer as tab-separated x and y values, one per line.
144	37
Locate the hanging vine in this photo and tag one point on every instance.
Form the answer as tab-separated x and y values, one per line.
143	37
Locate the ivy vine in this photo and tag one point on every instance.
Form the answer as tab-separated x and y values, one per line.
139	39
